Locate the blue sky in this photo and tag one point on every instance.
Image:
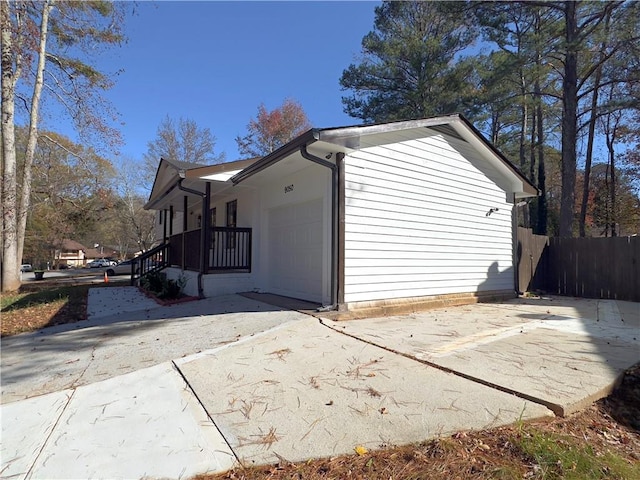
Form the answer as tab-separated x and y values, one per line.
216	62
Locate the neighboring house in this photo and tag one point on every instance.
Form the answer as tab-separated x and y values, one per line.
70	253
101	252
350	217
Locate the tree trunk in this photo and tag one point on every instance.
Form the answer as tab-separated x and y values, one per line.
587	165
614	216
532	146
541	224
610	135
32	141
10	265
569	121
532	207
523	125
591	134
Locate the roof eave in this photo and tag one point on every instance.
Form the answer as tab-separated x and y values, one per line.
341	135
294	145
204	170
527	186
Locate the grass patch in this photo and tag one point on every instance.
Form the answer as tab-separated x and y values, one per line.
30	296
41	305
557	457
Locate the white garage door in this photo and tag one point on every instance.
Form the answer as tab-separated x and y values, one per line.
295	250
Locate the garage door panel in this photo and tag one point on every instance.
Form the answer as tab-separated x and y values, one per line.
295	250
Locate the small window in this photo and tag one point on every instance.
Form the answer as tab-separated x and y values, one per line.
213	224
232	213
232	221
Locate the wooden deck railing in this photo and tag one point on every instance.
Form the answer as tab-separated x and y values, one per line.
152	260
229	250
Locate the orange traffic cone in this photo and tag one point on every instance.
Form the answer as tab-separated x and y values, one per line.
106	277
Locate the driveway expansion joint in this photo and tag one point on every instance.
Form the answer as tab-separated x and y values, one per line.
51	432
204	409
558	410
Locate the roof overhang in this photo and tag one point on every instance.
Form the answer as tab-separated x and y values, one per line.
176	180
346	139
325	143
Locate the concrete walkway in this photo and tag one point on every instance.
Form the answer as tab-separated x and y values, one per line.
169	392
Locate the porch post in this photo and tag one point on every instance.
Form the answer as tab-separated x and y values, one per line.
204	229
164	225
341	229
170	220
185	204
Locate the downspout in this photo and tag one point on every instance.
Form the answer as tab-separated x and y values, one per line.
335	188
185	224
203	234
514	235
164	225
170	220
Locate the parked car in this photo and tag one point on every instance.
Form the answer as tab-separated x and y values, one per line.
99	263
26	267
122	268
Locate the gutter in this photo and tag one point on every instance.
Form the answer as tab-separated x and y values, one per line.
203	227
293	146
335	222
151	203
299	145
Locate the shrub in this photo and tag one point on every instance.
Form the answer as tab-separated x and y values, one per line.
157	284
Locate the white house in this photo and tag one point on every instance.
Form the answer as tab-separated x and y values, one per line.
350	217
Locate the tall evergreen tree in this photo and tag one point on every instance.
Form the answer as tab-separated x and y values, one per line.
410	66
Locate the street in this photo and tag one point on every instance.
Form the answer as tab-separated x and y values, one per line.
74	275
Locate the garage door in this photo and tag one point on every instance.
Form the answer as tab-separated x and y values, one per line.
295	250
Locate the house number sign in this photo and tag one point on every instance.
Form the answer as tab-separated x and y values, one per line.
288	188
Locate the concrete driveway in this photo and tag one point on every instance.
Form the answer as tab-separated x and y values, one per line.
126	331
175	391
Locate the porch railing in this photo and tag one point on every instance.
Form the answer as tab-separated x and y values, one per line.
229	250
152	260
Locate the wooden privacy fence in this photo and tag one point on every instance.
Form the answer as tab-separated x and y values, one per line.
595	267
581	267
532	272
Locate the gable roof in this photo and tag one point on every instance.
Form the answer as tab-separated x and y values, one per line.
352	138
176	179
171	174
69	245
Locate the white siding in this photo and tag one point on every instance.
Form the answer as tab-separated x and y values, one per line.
416	223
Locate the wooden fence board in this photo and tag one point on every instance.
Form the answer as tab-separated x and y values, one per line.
594	267
532	268
581	267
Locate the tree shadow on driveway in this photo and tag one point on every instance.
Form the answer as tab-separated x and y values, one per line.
67	356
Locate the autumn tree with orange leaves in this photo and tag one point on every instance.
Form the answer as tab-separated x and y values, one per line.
272	129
